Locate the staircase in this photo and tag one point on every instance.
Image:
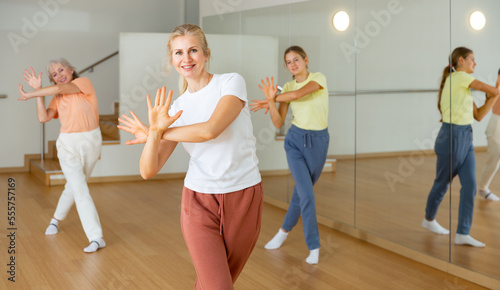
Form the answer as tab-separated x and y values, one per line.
330	165
49	171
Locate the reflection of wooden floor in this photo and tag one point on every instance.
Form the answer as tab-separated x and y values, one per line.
390	200
146	250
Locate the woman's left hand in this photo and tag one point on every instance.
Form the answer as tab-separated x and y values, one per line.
269	89
159	120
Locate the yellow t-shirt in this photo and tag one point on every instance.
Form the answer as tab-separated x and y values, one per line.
461	109
77	112
311	111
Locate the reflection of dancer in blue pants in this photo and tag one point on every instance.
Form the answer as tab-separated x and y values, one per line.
306	142
455	141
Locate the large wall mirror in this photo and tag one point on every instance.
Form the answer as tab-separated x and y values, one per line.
383	75
309	25
399	65
486	46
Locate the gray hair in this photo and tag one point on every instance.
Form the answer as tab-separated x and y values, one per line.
60	61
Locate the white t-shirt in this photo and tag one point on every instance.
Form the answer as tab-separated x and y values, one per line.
229	162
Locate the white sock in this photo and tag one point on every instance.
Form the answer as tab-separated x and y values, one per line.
434	227
468	240
52	228
278	239
491	196
95	245
313	257
488	195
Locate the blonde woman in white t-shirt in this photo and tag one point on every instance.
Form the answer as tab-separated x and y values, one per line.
222	195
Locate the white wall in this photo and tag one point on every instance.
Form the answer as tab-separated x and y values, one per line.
400	45
307	24
410	52
485	44
142	59
406	52
33	32
220	7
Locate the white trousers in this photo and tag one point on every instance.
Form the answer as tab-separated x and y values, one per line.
78	153
493	155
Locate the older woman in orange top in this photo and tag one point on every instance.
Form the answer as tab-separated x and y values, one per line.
79	142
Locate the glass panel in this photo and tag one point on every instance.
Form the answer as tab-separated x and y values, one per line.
309	25
260	58
400	58
485	44
311	28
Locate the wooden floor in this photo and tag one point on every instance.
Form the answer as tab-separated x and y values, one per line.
145	248
396	212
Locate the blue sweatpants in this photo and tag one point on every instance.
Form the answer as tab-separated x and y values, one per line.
463	164
306	152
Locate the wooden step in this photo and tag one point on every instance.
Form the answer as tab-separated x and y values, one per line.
108	124
48	171
330	165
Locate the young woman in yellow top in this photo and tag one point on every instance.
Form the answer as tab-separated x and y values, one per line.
458	112
306	142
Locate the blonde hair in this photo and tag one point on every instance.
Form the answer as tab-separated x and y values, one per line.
60	61
182	30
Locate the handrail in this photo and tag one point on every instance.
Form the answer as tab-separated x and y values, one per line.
376	92
91	67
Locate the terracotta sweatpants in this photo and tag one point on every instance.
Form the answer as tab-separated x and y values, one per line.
220	231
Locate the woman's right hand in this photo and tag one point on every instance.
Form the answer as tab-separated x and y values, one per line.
135	127
32	80
256	105
23	94
269	89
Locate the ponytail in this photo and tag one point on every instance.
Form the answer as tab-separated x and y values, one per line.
446	74
459	52
182	84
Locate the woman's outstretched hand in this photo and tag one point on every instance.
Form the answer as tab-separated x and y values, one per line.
32	80
269	89
134	126
23	94
159	120
256	105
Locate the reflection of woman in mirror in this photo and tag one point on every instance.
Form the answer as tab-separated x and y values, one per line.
458	112
78	144
222	195
490	168
306	142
